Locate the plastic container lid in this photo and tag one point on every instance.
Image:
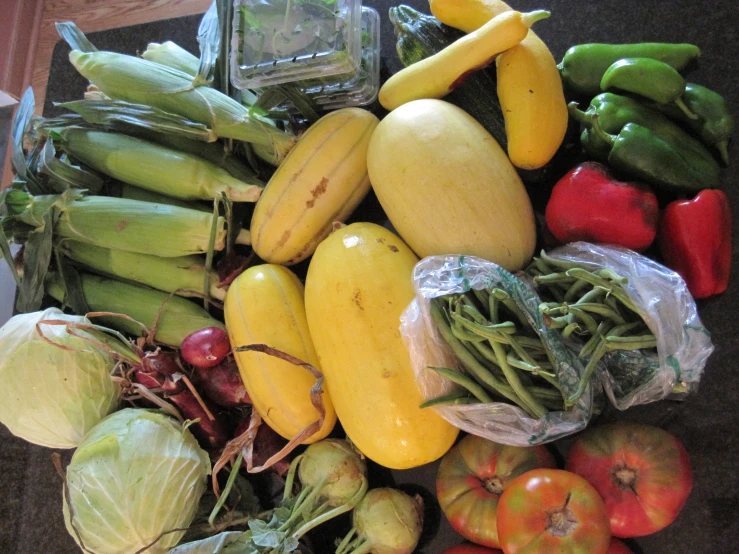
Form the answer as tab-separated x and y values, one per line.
282	41
361	87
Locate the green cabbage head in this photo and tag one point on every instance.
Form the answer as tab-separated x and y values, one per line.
52	396
135	476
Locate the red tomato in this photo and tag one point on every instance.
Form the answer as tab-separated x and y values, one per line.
617	547
471	549
642	473
549	510
471	478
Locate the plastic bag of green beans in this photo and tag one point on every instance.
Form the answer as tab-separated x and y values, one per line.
681	345
483	358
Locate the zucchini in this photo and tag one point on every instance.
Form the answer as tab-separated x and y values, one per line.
420	36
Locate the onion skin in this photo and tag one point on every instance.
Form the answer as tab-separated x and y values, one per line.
223	385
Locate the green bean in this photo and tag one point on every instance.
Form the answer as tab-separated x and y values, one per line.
612	303
542	266
475	314
553	278
528	402
557	292
590	324
541	392
560	322
451	398
591	295
495	332
536	369
557	263
475	368
571	328
493	307
482	297
625	328
611	275
464	381
574	289
603	328
520	350
465	335
486	352
630	343
511	305
587	373
595	280
602	310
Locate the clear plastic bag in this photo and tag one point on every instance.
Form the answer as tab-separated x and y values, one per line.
667	307
504	423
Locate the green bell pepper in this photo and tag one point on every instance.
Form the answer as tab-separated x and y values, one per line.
715	124
614	112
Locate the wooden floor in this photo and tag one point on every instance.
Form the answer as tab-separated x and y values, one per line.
97	15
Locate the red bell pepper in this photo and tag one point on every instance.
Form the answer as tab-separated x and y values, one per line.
695	240
589	204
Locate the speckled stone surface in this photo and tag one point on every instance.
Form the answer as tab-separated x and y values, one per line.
708	423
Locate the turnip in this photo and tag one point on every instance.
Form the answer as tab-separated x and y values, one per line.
335	468
386	521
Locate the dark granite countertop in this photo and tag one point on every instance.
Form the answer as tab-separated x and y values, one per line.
708	423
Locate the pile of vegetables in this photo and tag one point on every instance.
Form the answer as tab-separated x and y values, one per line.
173	348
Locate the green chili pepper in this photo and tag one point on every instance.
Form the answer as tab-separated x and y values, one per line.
714	125
614	112
649	78
583	66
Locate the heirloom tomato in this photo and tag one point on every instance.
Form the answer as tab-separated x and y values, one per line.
471	549
471	478
642	473
545	511
617	547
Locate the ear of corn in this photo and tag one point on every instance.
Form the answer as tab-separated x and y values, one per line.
123	224
185	274
123	190
155	167
179	316
143	82
172	55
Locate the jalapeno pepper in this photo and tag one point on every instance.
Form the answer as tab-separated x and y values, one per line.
615	111
714	125
643	154
583	66
695	240
649	78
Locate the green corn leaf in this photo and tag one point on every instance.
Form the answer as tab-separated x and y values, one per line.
75	37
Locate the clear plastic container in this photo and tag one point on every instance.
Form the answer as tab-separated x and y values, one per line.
360	88
282	41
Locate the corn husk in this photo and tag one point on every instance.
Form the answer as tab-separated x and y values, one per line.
174	56
143	82
185	274
179	316
155	167
123	224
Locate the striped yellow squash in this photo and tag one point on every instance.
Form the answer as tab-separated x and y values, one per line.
358	284
321	181
264	305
